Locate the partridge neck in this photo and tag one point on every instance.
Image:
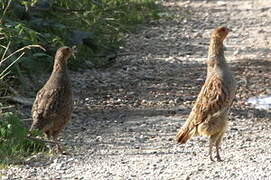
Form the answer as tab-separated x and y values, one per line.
216	54
60	65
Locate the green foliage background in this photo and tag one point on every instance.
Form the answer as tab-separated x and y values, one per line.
96	27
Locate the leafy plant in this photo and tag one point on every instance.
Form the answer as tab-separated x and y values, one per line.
10	59
96	27
13	142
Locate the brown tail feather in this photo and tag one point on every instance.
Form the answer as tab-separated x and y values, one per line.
186	132
182	136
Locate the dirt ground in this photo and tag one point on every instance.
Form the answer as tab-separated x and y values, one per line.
126	116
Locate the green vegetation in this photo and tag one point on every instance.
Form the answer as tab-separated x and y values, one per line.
14	145
96	27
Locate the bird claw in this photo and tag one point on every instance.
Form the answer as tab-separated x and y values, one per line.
219	159
57	150
211	158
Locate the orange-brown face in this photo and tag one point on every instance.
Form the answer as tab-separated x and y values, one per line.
220	33
64	53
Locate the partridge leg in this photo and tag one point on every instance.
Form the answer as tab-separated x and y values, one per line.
211	150
217	153
213	140
59	148
57	145
217	145
48	135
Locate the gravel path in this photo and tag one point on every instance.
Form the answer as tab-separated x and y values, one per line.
126	116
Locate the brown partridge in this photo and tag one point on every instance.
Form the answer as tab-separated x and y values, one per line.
53	105
209	116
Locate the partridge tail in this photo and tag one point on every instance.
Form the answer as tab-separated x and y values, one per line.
185	133
182	136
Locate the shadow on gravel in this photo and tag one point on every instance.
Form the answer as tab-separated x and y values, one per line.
253	77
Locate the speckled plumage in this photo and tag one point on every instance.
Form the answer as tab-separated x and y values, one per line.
209	116
53	105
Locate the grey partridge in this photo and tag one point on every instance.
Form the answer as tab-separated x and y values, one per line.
53	105
209	115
